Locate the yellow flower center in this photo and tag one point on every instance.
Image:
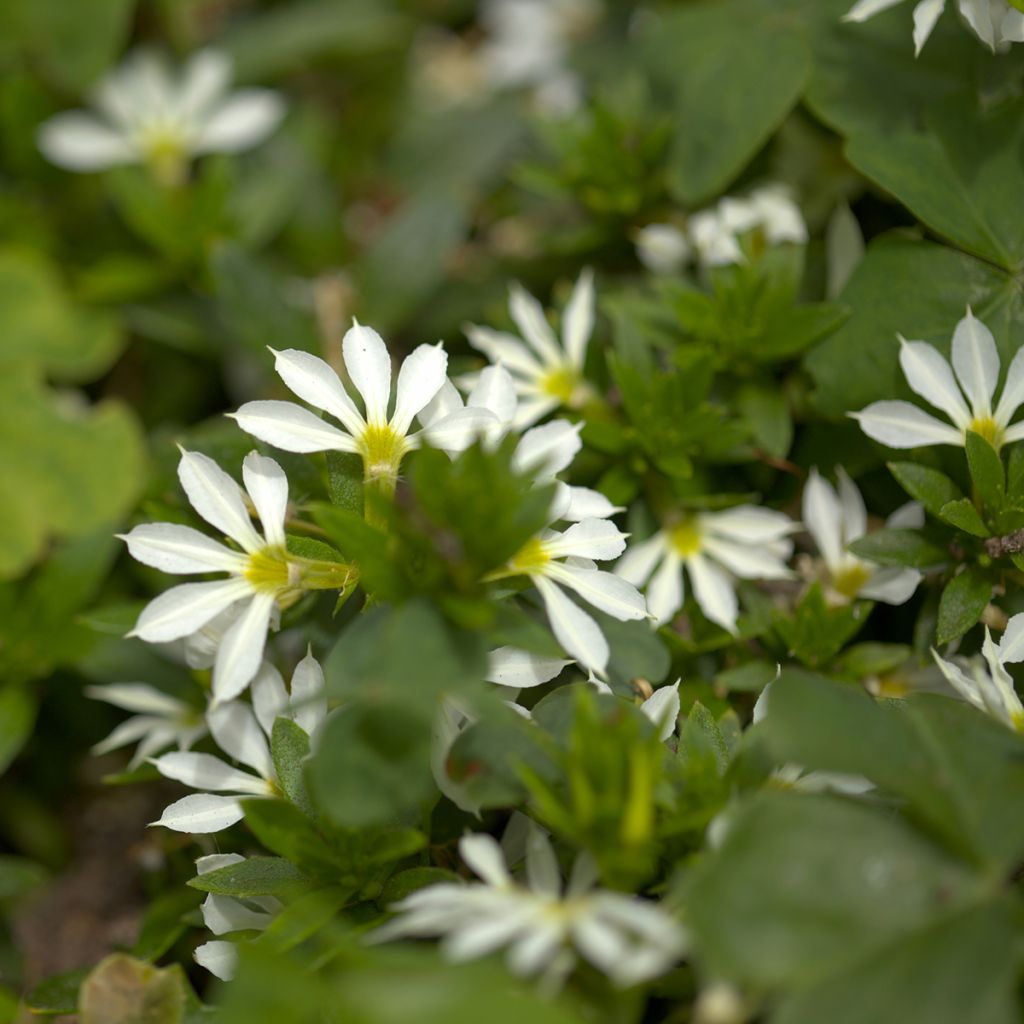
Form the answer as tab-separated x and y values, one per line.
382	450
560	383
531	557
1017	720
686	537
270	571
988	429
848	580
165	153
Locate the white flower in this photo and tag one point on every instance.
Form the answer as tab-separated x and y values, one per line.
995	22
976	365
380	439
662	707
146	115
835	520
159	720
663	248
547	373
242	732
262	576
748	542
225	914
991	691
629	939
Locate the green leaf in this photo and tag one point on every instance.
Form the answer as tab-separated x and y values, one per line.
899	547
815	632
1015	474
254	876
57	994
283	829
964	599
164	922
928	486
289	748
986	471
964	516
405	883
345	481
17	717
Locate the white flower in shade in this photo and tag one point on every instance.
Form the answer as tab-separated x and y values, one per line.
746	542
242	732
223	915
147	115
262	576
547	373
543	924
663	248
995	22
989	687
662	707
965	398
382	440
835	519
159	720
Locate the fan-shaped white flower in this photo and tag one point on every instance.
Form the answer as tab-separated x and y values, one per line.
263	575
835	520
147	115
543	924
976	367
243	733
547	373
746	542
663	248
995	22
381	440
159	720
989	687
225	914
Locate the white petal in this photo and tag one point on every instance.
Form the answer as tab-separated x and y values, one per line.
224	914
237	732
505	349
583	503
138	697
241	650
665	590
268	488
981	17
538	948
976	362
600	942
1012	28
419	379
604	590
444	403
217	498
530	410
369	366
902	425
1011	643
749	524
926	14
578	319
528	315
184	609
508	666
547	450
823	516
269	697
213	861
180	549
662	708
542	874
220	957
907	517
480	937
662	248
864	9
201	813
291	428
891	585
131	730
204	771
637	564
315	382
242	121
457	431
714	592
855	515
308	699
495	391
965	687
204	80
576	631
749	562
590	538
1013	390
482	855
78	141
930	376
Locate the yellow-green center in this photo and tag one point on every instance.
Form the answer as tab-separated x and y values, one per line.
685	537
988	429
166	155
848	580
560	383
270	571
531	557
382	450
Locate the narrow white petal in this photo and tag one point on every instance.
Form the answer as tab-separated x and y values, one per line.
576	631
308	701
823	515
639	561
201	813
855	515
965	687
891	585
578	319
764	562
482	855
600	942
1011	643
204	79
369	366
217	498
902	425
508	666
930	376
224	914
180	549
976	362
269	697
131	730
241	650
542	874
1013	390
457	431
907	517
864	9
204	771
78	141
315	382
529	317
219	957
662	708
547	450
530	410
599	539
540	948
1012	28
604	590
236	731
495	391
242	121
749	524
444	403
267	486
665	590
184	609
505	349
584	503
138	697
291	428
714	592
478	938
926	14
981	16
420	378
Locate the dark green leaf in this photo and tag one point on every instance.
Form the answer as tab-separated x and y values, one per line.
964	516
986	471
254	876
899	547
928	486
964	599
